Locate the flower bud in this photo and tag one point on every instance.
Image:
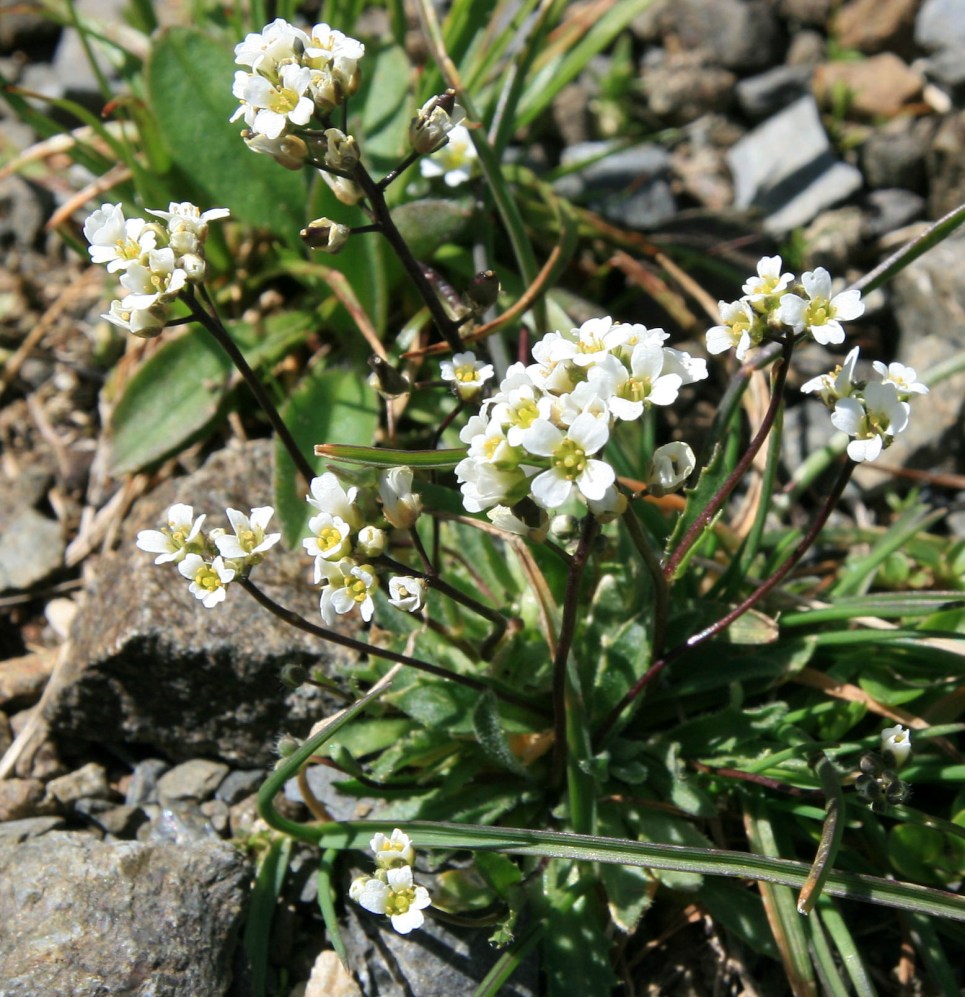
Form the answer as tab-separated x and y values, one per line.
386	380
400	505
483	289
347	191
287	150
896	744
325	235
671	465
429	129
371	542
341	150
293	676
194	267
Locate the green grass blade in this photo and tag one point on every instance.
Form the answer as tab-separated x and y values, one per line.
848	950
264	896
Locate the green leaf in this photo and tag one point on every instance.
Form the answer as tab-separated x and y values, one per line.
189	77
172	399
426	225
492	738
326	404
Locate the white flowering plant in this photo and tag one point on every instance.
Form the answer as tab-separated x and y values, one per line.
615	655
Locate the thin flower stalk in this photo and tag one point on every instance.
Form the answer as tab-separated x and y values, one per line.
721	495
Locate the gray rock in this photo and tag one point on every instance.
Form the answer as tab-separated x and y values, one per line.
239	784
120	822
940	24
631	186
144	779
85	918
196	779
947	68
24	208
435	961
894	156
89	781
767	93
832	239
785	168
20	798
743	34
29	827
681	87
946	166
807	48
31	548
218	669
891	209
216	813
176	824
814	13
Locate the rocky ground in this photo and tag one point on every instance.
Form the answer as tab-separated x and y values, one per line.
134	733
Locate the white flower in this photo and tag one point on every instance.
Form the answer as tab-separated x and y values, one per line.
896	742
401	506
350	585
872	420
117	241
187	225
769	280
208	580
328	495
571	464
172	543
902	377
838	383
276	44
485	485
143	322
466	373
157	282
396	849
250	540
268	107
819	313
333	58
671	465
690	369
331	540
643	385
398	897
515	409
455	161
407	593
740	328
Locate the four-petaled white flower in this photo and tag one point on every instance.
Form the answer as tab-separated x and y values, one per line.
249	541
349	586
770	281
839	383
208	578
397	896
572	465
739	328
328	495
408	593
268	106
902	377
820	313
172	542
872	420
118	241
466	373
331	539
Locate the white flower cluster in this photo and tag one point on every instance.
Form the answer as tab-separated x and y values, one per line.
872	413
343	546
392	890
210	561
774	304
543	432
292	74
157	261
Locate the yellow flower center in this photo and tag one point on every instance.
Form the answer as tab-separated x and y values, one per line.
248	539
466	374
207	578
569	460
329	538
398	902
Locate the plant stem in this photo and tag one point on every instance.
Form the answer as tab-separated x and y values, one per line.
717	500
213	324
299	622
448	328
661	591
571	602
725	621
